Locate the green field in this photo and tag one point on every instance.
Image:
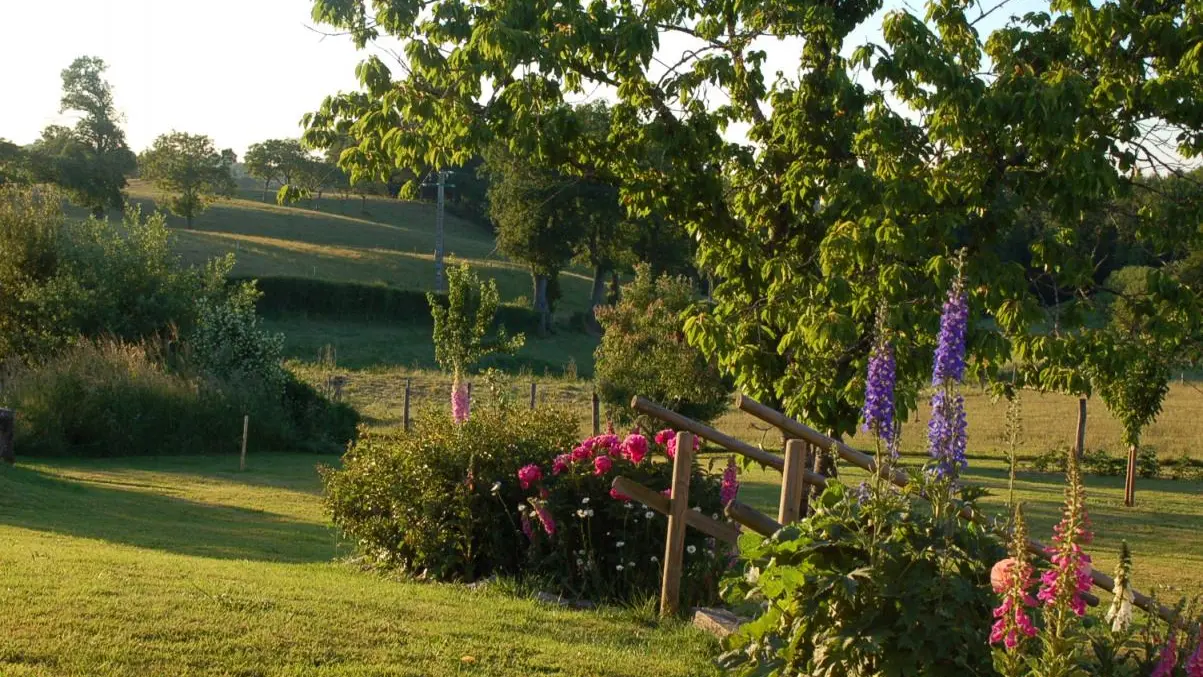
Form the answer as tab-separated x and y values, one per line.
184	566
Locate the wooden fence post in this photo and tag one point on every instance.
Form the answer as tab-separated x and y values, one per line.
533	389
1081	448
407	385
8	452
792	485
674	543
246	422
596	415
1130	480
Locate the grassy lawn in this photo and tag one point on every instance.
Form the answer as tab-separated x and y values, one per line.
184	566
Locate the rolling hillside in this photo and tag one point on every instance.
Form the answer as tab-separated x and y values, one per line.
389	243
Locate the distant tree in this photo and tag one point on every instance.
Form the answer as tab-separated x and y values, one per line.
275	160
190	169
536	224
90	160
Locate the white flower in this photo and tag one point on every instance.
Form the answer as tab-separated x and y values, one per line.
649	514
521	507
655	559
714	516
579	561
691	549
620	544
619	567
630	564
697	509
585	500
582	514
590	513
496	487
628	505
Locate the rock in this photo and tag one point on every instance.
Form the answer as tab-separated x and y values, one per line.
718	622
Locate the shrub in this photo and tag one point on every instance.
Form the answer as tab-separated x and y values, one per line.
422	501
875	588
588	542
1099	462
228	342
643	352
115	399
61	280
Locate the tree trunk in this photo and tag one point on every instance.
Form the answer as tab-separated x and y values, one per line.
265	186
1080	450
188	222
541	305
1130	480
615	292
597	297
7	423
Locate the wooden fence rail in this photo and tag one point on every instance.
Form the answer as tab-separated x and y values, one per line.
865	461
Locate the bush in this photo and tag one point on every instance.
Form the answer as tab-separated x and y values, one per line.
1099	462
921	605
116	399
61	280
227	341
587	542
422	501
643	352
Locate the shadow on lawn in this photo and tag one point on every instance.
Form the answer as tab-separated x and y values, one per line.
36	500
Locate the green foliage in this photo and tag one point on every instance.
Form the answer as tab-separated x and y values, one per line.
120	399
94	278
874	588
190	170
462	328
422	501
14	163
1099	462
227	341
91	160
841	196
275	160
643	352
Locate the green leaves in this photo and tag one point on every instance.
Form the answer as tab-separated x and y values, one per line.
464	321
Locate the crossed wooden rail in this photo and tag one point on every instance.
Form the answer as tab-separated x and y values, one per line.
794	476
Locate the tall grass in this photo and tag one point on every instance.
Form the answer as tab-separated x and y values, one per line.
109	398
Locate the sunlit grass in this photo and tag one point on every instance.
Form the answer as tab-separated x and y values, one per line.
184	566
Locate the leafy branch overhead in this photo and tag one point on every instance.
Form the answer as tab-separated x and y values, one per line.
856	178
463	322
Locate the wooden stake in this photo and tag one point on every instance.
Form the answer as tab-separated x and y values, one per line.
407	385
1130	480
792	486
596	415
674	543
1081	448
533	387
246	422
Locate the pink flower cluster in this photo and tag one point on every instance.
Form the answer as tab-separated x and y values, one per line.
460	404
1013	580
1070	575
730	486
528	475
1169	658
1194	664
668	439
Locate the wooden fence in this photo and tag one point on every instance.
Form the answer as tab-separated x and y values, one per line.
802	440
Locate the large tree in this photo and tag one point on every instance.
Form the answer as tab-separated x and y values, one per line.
190	170
275	160
859	176
90	160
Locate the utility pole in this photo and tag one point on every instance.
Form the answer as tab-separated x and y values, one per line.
440	279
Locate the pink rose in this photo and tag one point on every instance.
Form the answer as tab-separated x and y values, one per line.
634	448
602	465
528	475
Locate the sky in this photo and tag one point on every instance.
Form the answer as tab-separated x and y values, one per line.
240	72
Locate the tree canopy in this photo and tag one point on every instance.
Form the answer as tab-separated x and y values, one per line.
860	175
190	170
90	160
275	160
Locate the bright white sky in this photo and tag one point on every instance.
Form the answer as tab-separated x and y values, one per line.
239	71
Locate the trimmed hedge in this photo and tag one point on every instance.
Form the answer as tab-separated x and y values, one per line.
373	302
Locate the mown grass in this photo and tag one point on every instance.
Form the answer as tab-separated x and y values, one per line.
184	566
392	243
